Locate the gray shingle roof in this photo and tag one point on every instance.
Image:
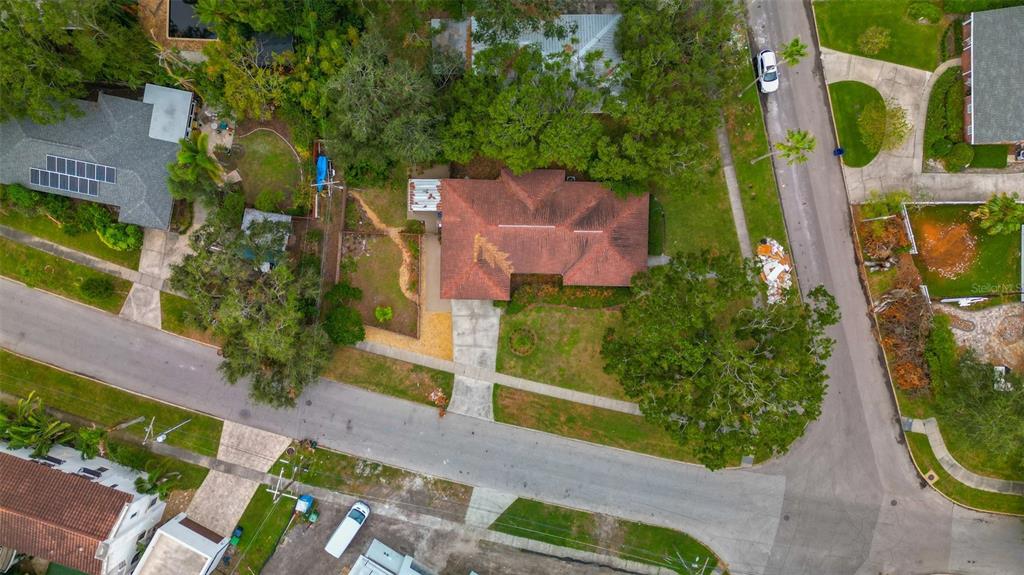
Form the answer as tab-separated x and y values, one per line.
998	75
111	131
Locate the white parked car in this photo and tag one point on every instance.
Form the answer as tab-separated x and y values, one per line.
767	71
346	532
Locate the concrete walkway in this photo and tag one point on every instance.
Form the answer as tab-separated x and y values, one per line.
475	328
739	218
491	376
930	427
901	169
78	257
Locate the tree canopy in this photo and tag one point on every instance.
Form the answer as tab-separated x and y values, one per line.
47	56
724	377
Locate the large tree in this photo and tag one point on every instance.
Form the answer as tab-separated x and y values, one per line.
49	51
724	377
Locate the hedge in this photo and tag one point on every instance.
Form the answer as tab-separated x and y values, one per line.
936	122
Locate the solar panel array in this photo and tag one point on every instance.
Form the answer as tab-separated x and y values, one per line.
88	170
64	182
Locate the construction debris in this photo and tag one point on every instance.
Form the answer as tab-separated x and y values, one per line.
775	269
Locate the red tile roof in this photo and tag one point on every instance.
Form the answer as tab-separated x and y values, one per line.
55	515
537	223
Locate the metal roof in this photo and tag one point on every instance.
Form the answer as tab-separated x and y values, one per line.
424	195
997	75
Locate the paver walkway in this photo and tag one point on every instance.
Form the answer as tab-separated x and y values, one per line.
902	169
930	427
739	218
489	375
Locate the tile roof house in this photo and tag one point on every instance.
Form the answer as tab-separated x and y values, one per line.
86	518
537	223
119	149
994	73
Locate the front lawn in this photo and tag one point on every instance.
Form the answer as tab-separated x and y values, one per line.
966	495
105	404
849	99
990	156
58	275
957	258
388	376
761	204
587	531
587	423
558	345
174	317
377	262
841	23
263	522
267	165
87	242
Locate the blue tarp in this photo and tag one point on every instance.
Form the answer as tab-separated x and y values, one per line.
321	172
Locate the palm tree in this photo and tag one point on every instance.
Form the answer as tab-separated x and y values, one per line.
158	481
32	427
794	149
195	157
1001	214
791	53
88	440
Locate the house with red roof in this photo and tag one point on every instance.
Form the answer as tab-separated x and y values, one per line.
536	223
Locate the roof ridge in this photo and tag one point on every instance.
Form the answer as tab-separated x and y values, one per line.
51	523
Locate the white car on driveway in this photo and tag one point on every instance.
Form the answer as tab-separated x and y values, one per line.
767	71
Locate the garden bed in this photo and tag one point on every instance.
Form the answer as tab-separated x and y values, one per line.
565	350
373	263
849	99
956	258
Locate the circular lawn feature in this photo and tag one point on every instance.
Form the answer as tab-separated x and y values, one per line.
522	341
849	98
266	163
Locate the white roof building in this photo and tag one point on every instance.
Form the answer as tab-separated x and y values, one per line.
379	559
182	547
172	112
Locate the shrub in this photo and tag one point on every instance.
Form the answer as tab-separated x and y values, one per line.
955	112
924	11
383	313
883	127
88	217
522	341
97	287
414	227
88	439
874	40
23	199
121	237
935	122
57	207
269	200
344	326
959	157
879	205
940	148
342	294
232	209
315	235
940	352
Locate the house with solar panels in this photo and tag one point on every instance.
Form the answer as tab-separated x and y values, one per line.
114	152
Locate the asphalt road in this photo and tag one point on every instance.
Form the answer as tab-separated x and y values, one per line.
844	500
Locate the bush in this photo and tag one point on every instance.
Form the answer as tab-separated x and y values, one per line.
22	199
940	148
383	313
343	294
959	158
57	207
414	227
121	237
88	217
97	288
315	235
883	127
924	11
232	209
940	351
955	112
874	40
880	205
344	326
935	121
269	200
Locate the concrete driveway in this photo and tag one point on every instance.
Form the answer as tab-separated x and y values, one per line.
475	328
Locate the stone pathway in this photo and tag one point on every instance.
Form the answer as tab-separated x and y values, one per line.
491	376
902	169
930	428
739	218
222	498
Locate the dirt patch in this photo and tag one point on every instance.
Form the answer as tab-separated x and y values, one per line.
947	249
177	502
479	168
997	333
410	265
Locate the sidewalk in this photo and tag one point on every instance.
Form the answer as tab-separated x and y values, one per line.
930	427
489	375
739	218
79	257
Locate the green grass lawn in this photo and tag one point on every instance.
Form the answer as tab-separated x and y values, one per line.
593	424
603	534
58	275
87	242
264	522
656	228
387	376
979	458
761	203
567	348
848	101
990	156
173	318
140	458
996	266
377	273
984	500
390	200
104	404
267	164
841	23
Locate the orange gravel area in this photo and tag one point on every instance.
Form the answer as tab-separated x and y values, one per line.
947	249
435	336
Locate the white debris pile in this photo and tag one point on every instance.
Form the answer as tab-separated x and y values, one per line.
775	269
